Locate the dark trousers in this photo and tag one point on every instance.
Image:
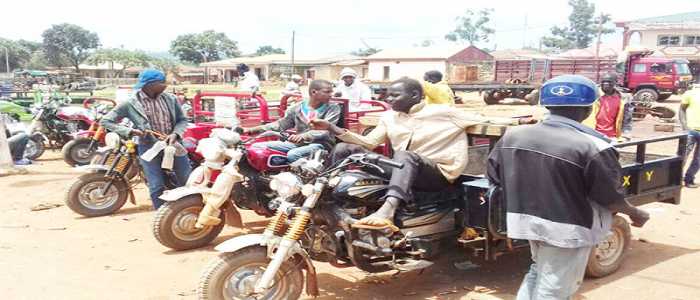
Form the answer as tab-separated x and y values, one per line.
18	142
694	152
418	172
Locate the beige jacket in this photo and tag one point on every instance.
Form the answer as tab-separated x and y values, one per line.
435	132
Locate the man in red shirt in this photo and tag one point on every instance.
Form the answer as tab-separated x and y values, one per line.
610	115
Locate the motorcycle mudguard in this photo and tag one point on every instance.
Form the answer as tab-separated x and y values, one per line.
180	192
253	240
92	168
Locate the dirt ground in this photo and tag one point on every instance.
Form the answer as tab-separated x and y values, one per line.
56	254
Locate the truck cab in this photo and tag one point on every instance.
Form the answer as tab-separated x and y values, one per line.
654	78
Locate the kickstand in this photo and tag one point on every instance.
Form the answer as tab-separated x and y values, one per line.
420	272
395	275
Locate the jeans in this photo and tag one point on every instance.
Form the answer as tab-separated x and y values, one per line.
555	274
693	142
156	176
18	143
403	180
294	151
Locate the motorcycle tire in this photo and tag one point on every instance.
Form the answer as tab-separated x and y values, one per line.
608	255
35	148
78	199
168	224
77	152
241	264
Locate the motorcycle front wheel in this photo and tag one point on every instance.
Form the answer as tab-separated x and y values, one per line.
35	148
86	197
233	275
174	223
78	151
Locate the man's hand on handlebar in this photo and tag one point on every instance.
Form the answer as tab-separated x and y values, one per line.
136	132
171	139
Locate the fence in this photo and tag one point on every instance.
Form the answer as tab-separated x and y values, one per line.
115	81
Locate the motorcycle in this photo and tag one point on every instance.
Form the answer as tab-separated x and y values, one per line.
235	174
55	123
110	178
80	150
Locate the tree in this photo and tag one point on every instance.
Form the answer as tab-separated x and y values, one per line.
17	55
472	27
165	64
583	27
203	47
365	52
126	58
69	42
265	50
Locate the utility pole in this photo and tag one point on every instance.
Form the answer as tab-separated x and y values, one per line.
600	32
7	61
525	33
292	69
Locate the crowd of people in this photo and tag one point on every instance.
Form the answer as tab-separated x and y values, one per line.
576	167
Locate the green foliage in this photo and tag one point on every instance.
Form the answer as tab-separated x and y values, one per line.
267	49
365	52
124	57
17	55
203	47
582	29
69	43
473	27
165	64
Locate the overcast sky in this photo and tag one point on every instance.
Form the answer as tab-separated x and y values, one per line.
322	27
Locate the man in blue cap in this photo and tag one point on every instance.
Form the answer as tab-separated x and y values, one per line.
577	175
150	108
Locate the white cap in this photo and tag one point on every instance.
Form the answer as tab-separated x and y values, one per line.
296	77
348	72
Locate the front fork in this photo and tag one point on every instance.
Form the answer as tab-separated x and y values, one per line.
291	237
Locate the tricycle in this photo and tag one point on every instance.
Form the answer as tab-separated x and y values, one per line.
316	223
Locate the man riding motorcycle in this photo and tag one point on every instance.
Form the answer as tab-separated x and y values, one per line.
429	140
305	141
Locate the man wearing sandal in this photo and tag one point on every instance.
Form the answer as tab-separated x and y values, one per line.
428	139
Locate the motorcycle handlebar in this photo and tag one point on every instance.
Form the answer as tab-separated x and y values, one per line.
375	158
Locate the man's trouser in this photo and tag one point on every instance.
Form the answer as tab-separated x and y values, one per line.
156	176
18	143
694	147
555	274
294	151
403	180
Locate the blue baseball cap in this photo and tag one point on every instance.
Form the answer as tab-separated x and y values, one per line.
147	76
568	90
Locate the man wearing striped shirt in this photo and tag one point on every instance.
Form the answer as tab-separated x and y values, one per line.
152	109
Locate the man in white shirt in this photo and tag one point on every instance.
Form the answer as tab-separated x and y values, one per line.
250	81
292	87
352	89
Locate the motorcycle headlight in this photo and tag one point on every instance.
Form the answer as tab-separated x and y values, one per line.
112	140
211	149
285	184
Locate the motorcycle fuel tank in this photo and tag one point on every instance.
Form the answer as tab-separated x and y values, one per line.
358	188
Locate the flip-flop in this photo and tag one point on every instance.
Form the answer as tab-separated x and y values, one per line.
386	223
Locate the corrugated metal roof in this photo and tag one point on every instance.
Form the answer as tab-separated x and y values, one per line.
433	52
676	18
280	59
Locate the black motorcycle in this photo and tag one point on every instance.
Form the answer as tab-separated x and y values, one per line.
55	123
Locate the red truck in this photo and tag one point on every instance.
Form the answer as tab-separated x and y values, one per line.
649	78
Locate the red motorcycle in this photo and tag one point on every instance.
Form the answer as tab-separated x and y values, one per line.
54	124
235	174
80	150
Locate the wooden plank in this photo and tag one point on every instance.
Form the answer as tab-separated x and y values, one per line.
486	130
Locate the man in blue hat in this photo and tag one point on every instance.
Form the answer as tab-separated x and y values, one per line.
577	175
150	108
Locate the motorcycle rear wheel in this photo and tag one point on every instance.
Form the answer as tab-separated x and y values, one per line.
233	275
173	225
84	196
78	152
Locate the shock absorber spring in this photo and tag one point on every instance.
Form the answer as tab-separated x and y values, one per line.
122	164
276	224
298	226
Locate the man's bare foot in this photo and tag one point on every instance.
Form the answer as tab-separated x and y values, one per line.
382	218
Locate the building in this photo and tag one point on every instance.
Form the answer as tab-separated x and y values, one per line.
274	66
458	64
675	36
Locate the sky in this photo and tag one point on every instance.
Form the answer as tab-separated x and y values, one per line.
321	27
